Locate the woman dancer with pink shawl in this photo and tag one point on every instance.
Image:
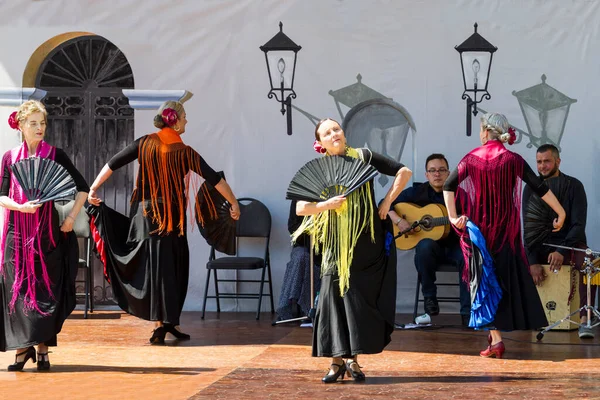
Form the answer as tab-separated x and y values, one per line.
503	295
39	257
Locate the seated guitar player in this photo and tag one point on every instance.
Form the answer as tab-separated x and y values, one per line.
429	253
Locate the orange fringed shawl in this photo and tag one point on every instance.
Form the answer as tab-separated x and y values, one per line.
165	163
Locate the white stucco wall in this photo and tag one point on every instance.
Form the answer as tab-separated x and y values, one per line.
402	49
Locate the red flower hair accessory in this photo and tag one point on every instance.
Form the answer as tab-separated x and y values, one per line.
513	135
12	120
318	148
169	116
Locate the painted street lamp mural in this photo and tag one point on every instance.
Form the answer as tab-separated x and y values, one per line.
545	111
354	94
373	121
382	125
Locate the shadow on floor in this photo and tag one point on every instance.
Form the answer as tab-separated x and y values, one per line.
126	370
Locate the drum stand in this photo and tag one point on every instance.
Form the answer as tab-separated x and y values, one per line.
312	312
590	270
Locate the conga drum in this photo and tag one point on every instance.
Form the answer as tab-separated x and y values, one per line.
559	294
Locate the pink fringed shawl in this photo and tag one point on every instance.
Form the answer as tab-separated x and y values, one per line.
27	234
491	178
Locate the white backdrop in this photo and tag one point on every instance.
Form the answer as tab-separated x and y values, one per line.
403	49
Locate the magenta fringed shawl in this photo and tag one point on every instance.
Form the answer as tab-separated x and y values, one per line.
27	235
491	178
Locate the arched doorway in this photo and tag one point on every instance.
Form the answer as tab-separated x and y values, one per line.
88	115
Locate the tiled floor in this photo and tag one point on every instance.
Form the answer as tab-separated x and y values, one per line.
235	357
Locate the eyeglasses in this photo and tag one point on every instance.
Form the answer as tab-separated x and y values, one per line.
437	171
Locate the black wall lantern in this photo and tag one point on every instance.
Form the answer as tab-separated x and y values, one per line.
476	61
280	54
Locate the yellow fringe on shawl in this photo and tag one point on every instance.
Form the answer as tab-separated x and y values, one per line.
336	232
164	159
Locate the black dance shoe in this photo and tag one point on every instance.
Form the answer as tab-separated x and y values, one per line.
170	328
43	362
18	365
330	378
358	376
158	336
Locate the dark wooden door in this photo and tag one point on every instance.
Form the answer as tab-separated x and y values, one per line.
90	118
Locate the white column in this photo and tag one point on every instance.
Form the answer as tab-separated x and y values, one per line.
15	96
152	99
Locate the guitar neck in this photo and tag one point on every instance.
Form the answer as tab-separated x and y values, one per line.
439	221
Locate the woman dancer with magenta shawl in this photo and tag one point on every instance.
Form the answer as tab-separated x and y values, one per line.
503	295
39	256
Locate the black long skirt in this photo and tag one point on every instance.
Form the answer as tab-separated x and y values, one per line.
148	272
520	307
362	321
20	329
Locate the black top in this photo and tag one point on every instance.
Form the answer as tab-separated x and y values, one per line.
130	153
62	159
383	164
420	194
538	186
573	232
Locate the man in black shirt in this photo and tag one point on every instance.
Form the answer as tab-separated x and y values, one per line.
574	201
429	254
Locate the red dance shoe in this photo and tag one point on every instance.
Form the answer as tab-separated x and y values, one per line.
496	350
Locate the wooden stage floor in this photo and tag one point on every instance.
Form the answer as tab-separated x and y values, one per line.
233	356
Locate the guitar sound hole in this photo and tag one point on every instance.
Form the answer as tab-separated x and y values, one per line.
426	222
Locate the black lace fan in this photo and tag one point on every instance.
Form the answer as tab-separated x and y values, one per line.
538	217
43	179
327	177
219	232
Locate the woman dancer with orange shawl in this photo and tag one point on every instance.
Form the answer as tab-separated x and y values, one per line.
148	264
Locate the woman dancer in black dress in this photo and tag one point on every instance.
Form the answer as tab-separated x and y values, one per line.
357	302
148	264
39	255
491	177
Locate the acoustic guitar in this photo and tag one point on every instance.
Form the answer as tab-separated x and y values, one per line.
431	222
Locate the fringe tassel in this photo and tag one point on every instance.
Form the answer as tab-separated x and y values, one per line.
336	232
500	222
161	169
28	246
27	239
